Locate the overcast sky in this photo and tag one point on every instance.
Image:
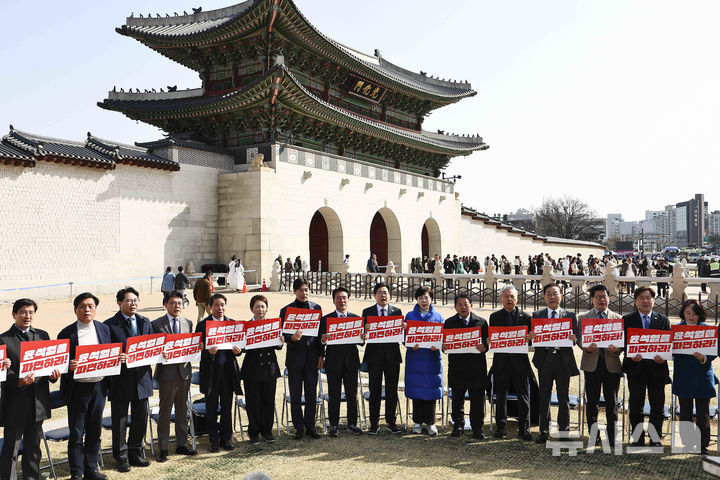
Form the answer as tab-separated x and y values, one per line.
614	101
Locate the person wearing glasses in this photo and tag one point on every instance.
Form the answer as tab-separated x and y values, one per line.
131	388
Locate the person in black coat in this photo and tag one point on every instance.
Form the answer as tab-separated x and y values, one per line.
25	402
511	369
555	364
219	379
260	371
303	360
382	359
645	374
85	398
341	364
468	371
131	388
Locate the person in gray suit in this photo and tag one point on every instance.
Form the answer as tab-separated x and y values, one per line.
602	366
173	380
554	364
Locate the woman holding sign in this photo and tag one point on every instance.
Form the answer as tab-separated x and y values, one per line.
259	373
423	367
693	379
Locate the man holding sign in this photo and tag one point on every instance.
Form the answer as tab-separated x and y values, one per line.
467	372
85	397
219	379
342	361
511	369
383	359
173	380
131	388
646	374
555	364
25	401
303	360
602	366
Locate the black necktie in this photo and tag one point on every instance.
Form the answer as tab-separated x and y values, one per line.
554	314
25	335
509	319
382	312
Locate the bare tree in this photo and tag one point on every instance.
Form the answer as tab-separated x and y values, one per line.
565	217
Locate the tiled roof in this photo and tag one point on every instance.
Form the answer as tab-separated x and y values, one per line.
10	155
162	104
471	212
129	154
93	152
184	29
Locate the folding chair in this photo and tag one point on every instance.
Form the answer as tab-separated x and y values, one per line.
365	395
602	405
408	412
240	404
667	411
60	434
106	423
198	409
511	397
319	403
574	401
154	417
714	410
447	420
343	397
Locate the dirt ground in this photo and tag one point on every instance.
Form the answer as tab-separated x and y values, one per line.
385	456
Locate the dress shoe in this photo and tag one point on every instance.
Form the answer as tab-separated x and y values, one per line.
227	445
185	450
254	440
478	435
268	437
162	457
354	430
656	444
456	432
333	431
374	429
393	428
214	447
136	461
312	433
542	438
95	475
500	434
298	435
122	465
525	435
639	443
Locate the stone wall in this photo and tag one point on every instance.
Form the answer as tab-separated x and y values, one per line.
483	240
62	223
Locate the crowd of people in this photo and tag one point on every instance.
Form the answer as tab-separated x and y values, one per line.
25	399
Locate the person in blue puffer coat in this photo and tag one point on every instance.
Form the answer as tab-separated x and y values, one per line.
693	380
423	367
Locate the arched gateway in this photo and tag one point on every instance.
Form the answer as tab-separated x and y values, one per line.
385	238
325	241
